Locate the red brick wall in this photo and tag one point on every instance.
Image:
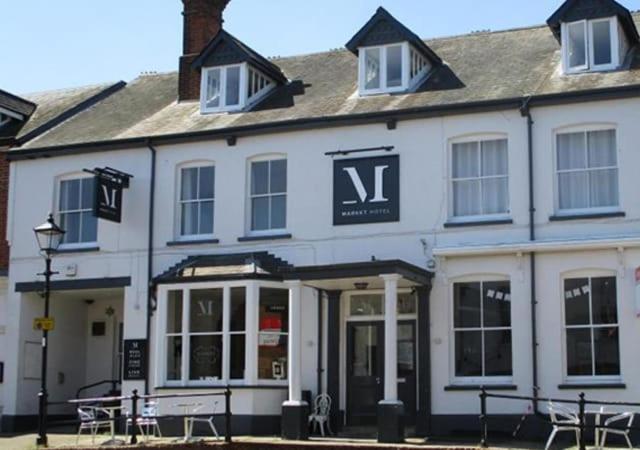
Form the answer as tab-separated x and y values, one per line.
202	22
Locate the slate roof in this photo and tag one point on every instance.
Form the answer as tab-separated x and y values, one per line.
16	104
480	69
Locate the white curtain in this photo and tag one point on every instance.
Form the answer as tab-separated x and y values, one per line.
587	170
480	178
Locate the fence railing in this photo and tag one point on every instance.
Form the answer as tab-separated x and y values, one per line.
135	400
581	402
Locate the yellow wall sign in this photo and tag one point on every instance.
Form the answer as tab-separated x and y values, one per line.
44	324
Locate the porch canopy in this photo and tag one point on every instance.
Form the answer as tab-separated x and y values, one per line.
359	275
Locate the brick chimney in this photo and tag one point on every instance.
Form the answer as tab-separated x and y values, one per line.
202	22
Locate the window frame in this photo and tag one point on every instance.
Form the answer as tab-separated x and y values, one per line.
384	89
249	208
223	107
475	380
589	379
58	212
590	65
479	138
252	312
178	202
556	178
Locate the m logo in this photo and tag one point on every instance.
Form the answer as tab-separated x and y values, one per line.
366	190
108	199
378	196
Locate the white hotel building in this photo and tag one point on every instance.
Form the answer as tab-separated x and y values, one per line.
395	224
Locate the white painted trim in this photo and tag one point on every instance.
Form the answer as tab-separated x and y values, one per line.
10	113
178	194
223	107
383	89
543	246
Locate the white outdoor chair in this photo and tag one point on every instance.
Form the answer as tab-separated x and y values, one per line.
90	421
562	419
148	419
626	418
321	413
207	420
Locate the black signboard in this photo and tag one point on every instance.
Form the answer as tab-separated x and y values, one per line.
366	190
108	200
135	357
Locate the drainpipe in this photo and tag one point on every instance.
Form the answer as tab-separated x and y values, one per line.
320	337
526	112
152	186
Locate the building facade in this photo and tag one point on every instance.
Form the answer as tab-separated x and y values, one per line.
395	225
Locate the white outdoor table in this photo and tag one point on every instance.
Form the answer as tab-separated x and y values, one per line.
188	425
111	411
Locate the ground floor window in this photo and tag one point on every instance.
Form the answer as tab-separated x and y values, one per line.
205	335
591	327
273	334
482	329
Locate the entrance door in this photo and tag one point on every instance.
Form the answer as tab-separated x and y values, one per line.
365	370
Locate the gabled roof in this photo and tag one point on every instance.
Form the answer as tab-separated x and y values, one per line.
574	10
256	265
484	71
16	104
383	29
226	49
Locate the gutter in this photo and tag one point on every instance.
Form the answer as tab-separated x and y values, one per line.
591	95
150	300
525	111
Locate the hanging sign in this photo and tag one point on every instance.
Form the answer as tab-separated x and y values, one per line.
109	184
637	292
366	190
135	357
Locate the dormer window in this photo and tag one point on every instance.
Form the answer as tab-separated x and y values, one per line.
591	45
391	58
234	77
594	35
4	119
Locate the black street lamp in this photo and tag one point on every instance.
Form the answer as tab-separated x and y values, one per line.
49	236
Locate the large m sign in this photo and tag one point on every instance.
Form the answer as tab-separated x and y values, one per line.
366	190
108	201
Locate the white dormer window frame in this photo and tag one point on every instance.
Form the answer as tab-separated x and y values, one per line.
588	35
245	96
383	82
4	119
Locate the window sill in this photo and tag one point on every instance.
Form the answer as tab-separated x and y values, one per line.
478	387
87	249
192	242
266	237
570	386
478	223
586	216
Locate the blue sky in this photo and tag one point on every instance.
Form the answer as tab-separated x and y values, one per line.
64	43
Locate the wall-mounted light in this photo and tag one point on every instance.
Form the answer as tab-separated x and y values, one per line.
361	286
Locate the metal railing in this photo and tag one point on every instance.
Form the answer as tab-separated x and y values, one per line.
113	384
135	400
582	403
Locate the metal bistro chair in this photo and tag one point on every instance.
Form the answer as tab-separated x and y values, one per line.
321	413
627	420
207	420
148	419
562	419
90	421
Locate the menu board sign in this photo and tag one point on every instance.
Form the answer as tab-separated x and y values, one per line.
135	357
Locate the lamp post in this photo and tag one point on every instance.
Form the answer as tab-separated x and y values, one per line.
49	236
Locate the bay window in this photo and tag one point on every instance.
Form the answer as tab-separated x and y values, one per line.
480	178
587	171
216	333
482	330
591	327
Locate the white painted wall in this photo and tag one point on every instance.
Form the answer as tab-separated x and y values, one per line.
423	146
